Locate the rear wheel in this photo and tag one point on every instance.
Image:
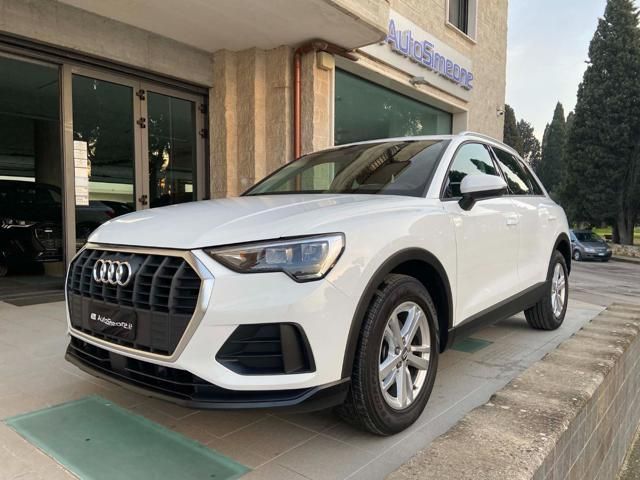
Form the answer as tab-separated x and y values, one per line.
396	360
549	312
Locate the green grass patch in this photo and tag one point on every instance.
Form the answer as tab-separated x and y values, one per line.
607	231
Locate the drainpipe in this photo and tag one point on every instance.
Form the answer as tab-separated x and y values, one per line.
314	46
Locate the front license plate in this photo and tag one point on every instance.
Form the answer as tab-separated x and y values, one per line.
601	254
113	322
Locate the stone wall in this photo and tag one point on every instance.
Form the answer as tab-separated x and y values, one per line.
55	23
250	117
625	250
571	415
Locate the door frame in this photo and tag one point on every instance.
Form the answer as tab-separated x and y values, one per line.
141	152
197	101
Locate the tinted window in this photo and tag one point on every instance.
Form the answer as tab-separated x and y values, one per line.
470	159
368	111
514	173
385	168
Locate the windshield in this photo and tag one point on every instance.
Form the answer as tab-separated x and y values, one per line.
386	168
587	237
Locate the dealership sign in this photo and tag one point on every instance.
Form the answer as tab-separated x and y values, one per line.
416	52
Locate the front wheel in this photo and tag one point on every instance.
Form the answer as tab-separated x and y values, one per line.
549	312
577	256
396	360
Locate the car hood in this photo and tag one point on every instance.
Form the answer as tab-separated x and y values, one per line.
232	220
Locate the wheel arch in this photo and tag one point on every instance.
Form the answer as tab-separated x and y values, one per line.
563	245
417	263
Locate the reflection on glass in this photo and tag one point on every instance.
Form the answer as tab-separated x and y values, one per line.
103	152
367	111
31	235
382	168
172	149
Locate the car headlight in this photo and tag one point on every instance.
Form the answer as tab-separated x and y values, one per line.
589	250
303	259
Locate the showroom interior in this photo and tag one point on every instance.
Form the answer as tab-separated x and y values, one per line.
117	168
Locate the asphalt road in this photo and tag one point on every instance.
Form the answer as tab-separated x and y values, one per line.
604	283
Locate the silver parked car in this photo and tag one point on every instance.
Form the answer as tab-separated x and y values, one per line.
586	245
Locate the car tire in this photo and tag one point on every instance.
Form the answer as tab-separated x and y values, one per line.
577	256
548	313
3	269
369	405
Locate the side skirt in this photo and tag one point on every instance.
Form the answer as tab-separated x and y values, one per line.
500	311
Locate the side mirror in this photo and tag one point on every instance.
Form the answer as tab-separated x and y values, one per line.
477	187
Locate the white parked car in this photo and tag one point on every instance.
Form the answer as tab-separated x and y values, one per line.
337	280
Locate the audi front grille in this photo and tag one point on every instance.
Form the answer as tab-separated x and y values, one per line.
162	293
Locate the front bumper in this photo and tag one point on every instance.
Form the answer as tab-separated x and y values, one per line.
227	301
596	255
186	389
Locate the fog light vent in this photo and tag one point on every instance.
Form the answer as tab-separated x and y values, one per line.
267	349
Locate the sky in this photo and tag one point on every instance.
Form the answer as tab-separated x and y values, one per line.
547	48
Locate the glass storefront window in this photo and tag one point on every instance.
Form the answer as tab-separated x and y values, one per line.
31	233
367	111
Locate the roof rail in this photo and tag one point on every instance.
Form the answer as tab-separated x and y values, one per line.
488	137
481	135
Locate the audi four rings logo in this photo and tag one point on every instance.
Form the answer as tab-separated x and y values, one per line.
113	272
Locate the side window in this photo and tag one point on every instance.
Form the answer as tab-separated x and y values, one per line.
470	159
514	173
537	189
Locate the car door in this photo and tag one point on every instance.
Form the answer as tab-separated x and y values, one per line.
537	223
486	236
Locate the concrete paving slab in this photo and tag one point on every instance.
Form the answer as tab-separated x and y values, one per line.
277	445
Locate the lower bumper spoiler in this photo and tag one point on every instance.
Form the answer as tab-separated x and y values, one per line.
194	392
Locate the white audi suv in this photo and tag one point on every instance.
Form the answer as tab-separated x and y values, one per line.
335	281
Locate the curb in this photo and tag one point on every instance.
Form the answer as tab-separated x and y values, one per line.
572	414
626	259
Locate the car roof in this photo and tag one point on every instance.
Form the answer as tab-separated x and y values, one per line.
463	135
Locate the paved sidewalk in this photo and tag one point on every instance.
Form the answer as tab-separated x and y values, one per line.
33	375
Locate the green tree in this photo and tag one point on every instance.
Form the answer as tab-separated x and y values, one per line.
511	135
602	182
531	150
551	166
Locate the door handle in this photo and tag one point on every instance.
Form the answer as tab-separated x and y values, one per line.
513	220
552	218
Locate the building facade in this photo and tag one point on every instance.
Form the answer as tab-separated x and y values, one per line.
108	107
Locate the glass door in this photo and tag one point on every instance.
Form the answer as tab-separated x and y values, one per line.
135	146
104	152
173	146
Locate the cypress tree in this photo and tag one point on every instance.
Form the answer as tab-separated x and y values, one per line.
531	151
602	182
511	134
552	164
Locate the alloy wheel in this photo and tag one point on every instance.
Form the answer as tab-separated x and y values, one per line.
404	355
558	290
